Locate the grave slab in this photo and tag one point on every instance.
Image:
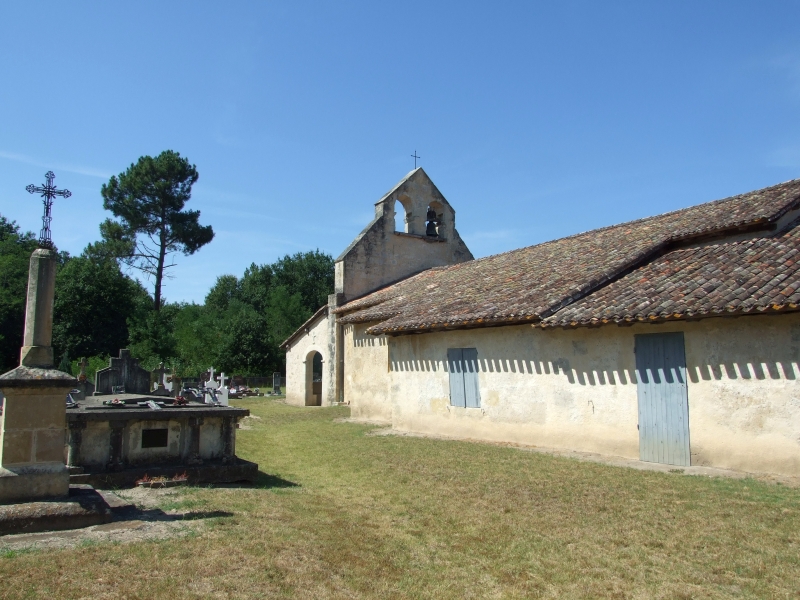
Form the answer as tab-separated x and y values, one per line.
82	507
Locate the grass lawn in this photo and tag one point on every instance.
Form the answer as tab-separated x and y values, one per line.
344	514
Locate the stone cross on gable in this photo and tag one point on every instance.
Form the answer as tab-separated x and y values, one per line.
48	192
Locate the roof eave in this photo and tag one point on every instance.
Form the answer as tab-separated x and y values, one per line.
304	327
623	321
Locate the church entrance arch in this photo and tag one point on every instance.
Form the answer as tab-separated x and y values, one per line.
314	379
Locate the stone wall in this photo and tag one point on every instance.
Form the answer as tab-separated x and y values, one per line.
576	389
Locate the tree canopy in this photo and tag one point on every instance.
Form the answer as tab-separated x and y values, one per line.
93	305
98	310
149	200
15	252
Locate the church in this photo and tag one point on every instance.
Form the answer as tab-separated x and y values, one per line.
672	339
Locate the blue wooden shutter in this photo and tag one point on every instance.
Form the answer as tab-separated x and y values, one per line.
663	398
455	365
473	395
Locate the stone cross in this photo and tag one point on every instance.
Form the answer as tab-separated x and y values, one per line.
159	373
83	364
211	383
48	192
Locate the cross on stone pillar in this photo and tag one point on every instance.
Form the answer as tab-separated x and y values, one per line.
48	192
34	417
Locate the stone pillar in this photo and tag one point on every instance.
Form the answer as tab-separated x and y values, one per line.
75	441
228	440
32	428
194	440
38	336
116	460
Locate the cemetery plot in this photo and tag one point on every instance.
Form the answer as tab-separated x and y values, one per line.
337	513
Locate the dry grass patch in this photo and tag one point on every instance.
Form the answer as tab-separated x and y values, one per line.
342	514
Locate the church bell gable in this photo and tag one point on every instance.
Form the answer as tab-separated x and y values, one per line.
382	254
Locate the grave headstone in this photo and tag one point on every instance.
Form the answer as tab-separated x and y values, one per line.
211	383
123	375
85	387
162	386
276	383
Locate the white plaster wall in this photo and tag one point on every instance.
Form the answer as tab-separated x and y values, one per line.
576	389
366	374
744	393
537	387
319	339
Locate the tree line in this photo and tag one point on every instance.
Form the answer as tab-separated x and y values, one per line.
100	308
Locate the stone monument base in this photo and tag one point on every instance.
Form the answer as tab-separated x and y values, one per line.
35	356
82	507
208	472
19	485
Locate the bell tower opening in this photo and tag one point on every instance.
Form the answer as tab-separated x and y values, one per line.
434	218
400	217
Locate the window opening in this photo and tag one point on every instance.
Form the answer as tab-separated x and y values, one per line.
462	363
155	438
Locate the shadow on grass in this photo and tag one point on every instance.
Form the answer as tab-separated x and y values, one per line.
267	481
202	514
263	481
157	515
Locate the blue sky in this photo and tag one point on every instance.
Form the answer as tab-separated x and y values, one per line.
536	120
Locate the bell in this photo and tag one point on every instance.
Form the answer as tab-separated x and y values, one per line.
430	230
431	215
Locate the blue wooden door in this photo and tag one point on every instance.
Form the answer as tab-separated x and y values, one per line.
663	398
462	363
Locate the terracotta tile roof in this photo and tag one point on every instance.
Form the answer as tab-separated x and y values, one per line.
532	283
753	276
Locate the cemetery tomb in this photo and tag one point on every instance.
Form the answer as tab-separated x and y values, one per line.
117	439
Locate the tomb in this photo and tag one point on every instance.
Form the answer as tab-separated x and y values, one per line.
117	443
116	439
